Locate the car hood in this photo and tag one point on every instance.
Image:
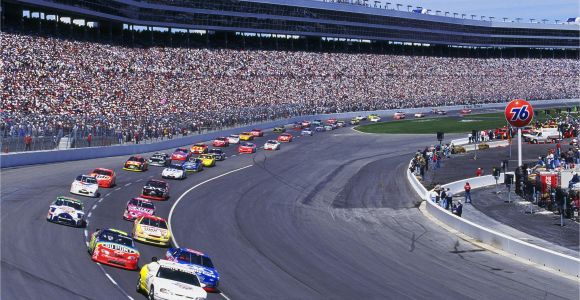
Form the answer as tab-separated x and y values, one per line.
152	230
180	288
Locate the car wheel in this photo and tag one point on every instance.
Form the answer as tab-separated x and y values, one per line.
151	295
138	289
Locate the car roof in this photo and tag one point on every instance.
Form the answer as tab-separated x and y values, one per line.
116	230
154	218
69	199
141	199
193	251
174	265
103	169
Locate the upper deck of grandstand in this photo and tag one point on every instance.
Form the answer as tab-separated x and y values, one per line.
309	18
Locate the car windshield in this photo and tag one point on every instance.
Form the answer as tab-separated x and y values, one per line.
157	184
180	150
270	142
196	259
158	156
115	237
102	172
134	158
177	275
215	151
154	222
87	179
64	202
141	203
176	167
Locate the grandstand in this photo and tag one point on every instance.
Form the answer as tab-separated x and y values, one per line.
141	69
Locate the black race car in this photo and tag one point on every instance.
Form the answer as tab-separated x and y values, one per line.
218	154
155	190
159	159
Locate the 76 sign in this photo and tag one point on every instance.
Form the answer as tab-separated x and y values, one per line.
519	113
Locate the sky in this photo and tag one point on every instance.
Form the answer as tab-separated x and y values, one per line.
525	9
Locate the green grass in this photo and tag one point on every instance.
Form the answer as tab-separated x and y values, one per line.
452	124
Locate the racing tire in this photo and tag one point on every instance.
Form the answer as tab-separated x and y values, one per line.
151	295
138	288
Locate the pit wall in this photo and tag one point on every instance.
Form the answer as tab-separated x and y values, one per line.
53	156
548	258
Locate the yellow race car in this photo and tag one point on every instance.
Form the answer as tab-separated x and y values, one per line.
207	160
151	230
246	136
354	121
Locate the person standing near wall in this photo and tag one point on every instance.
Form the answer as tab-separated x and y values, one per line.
27	142
467	189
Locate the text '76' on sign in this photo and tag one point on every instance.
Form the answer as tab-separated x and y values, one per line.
519	113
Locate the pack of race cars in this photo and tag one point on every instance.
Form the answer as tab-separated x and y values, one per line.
183	273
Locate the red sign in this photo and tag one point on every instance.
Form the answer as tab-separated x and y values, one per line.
519	113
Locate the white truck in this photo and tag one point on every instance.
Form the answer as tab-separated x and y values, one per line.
542	135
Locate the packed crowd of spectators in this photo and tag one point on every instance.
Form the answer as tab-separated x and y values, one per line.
51	85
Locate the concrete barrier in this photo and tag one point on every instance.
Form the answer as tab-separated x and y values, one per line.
552	259
51	156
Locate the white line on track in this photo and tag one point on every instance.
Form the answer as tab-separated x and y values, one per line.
128	184
94	206
139	180
100	200
90	214
86	233
108	194
233	155
117	189
111	278
185	193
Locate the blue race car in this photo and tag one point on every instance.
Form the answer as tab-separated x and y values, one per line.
199	262
307	131
193	164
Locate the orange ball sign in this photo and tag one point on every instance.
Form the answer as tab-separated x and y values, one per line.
519	113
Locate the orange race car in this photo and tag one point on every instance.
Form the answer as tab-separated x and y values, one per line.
199	148
105	178
285	137
136	164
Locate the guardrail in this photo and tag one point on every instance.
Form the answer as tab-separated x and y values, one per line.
552	259
51	156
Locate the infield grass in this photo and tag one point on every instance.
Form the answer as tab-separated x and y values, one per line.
451	124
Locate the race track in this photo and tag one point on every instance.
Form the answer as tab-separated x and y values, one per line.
328	216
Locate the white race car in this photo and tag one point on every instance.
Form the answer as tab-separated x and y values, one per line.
85	185
163	279
67	211
174	171
272	145
419	115
328	127
234	139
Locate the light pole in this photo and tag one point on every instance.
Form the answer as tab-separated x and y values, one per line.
544	20
504	19
377	2
446	13
387	5
455	15
409	8
463	16
398	6
557	21
491	19
518	19
473	16
532	20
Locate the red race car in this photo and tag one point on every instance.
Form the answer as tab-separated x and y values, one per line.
247	148
257	132
180	154
220	142
105	178
115	248
465	111
199	148
305	124
331	121
285	137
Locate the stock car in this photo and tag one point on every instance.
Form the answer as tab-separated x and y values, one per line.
285	137
85	185
163	279
220	142
115	248
138	207
439	111
331	121
361	118
246	136
340	123
155	189
374	118
218	154
233	139
194	164
151	230
246	147
317	123
105	178
174	171
272	145
199	148
257	132
354	121
419	115
279	129
180	154
159	159
306	131
208	160
297	126
465	111
328	127
136	164
399	115
67	211
199	262
321	128
305	124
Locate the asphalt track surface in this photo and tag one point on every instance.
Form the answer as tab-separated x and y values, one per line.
328	216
